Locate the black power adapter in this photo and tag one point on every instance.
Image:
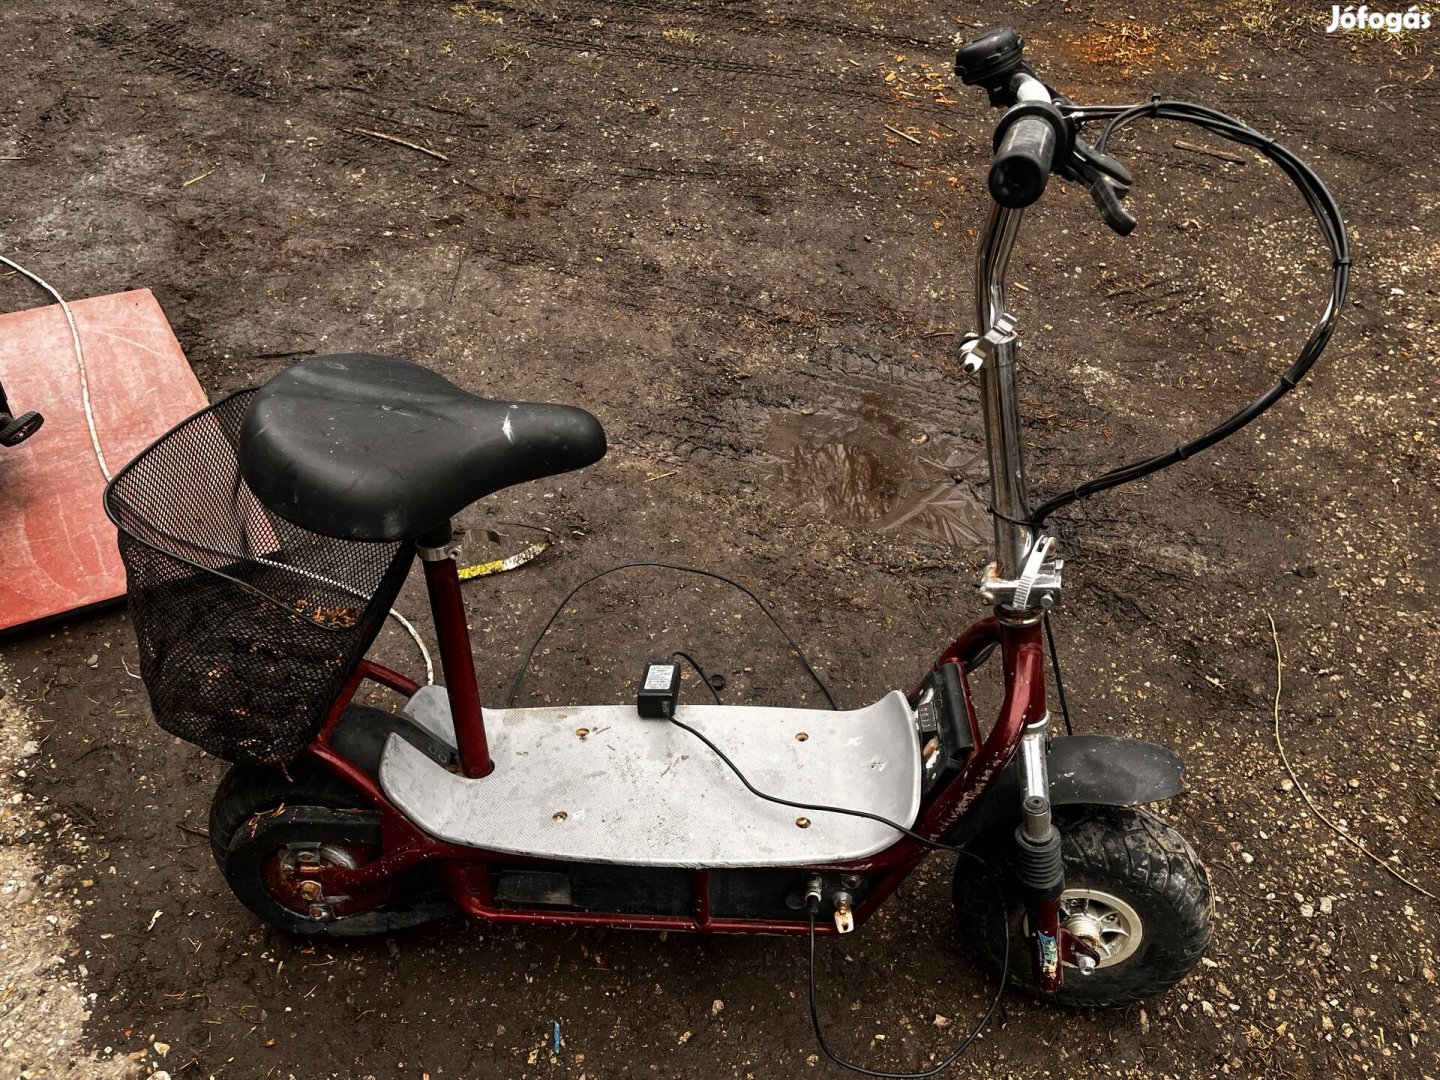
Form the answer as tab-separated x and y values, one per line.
659	691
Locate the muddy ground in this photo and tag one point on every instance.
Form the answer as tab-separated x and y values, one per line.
741	233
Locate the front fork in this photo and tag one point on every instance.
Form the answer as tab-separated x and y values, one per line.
1041	869
1021	731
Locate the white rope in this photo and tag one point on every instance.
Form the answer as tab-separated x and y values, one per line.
100	454
429	667
79	360
406	623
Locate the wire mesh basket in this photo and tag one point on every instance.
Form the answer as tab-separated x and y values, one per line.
248	625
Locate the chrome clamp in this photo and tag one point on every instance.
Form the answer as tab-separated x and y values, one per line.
1038	585
976	350
448	550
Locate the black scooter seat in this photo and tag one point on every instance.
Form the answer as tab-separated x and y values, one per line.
365	447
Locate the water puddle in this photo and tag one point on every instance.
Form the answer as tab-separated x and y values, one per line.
865	468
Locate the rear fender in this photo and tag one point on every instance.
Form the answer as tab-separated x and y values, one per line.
361	734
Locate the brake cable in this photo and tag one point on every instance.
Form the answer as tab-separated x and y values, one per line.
1332	228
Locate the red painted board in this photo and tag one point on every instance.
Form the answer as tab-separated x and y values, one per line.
57	547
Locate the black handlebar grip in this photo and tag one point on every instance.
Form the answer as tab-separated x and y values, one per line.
1021	168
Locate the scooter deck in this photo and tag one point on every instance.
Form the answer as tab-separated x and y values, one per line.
601	784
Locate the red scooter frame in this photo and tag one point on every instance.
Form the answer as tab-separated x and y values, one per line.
464	868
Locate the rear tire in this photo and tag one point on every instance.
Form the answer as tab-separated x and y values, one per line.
256	849
1136	876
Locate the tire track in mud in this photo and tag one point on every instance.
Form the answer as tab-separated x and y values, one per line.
1150	297
846	86
638	283
401	111
731	16
166	46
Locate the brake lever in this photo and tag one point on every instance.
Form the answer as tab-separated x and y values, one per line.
1107	194
1106	180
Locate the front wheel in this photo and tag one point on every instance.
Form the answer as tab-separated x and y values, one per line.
1131	882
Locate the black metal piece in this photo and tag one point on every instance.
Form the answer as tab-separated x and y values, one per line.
952	737
16	429
594	887
1094	770
362	732
954	719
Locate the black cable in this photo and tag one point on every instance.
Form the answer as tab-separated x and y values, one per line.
928	842
925	840
1332	228
969	1039
799	653
698	671
821	807
1055	667
519	675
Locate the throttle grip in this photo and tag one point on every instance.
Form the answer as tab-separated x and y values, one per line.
1021	168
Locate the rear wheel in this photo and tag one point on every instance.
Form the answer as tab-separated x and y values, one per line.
1132	883
264	825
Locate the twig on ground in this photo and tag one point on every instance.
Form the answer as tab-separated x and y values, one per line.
1285	760
1223	155
399	142
902	134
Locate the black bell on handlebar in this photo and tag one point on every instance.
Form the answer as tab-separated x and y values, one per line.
991	61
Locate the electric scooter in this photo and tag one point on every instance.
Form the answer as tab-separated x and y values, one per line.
267	536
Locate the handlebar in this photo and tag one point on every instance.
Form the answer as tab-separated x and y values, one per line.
1035	138
1030	133
1039	134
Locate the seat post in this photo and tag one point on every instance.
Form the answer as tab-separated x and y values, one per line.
438	551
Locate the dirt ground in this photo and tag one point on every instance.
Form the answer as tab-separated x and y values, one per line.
740	233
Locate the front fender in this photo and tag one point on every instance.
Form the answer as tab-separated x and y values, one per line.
1097	770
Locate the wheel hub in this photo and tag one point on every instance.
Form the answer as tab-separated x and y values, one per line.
1104	921
305	895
